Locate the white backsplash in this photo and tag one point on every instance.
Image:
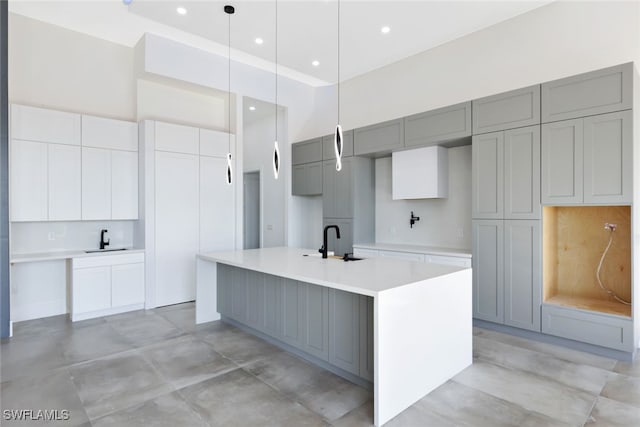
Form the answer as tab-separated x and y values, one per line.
443	222
35	237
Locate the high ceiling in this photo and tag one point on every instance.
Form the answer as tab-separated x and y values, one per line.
307	29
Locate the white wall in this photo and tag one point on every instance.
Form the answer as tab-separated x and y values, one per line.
558	40
52	67
443	222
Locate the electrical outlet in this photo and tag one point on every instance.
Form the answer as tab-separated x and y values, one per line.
270	227
51	235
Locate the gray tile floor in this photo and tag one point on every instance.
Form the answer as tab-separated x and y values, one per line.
156	368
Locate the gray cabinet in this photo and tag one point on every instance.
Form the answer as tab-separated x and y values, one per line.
337	189
306	179
366	337
239	294
438	126
292	313
344	244
344	325
588	160
315	320
488	265
509	110
522	274
380	138
597	92
273	305
255	300
487	185
328	151
224	289
306	152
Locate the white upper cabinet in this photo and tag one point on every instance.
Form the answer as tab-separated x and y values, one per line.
100	132
43	125
64	185
96	183
422	173
177	138
124	185
29	194
216	144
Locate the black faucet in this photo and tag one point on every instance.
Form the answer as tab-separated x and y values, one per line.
323	249
102	242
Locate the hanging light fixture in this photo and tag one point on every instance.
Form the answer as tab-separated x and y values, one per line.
337	138
276	150
229	10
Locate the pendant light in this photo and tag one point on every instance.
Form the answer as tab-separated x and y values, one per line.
229	10
337	138
276	150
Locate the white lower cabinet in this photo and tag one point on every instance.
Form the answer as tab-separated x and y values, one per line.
106	284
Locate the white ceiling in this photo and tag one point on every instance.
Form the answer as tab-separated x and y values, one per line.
307	30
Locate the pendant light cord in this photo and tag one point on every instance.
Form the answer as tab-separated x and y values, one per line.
276	43
229	89
338	61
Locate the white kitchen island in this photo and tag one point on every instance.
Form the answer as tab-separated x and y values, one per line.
422	327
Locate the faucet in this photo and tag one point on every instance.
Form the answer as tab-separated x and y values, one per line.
323	249
102	242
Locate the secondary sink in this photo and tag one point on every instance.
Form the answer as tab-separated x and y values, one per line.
105	250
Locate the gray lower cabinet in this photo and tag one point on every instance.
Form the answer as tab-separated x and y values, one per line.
344	325
597	92
292	313
438	126
315	320
344	244
328	150
509	110
224	289
487	258
366	337
255	316
239	294
379	139
306	179
273	289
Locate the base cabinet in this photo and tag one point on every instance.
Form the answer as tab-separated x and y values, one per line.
344	348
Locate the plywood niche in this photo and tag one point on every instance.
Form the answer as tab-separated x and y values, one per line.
573	240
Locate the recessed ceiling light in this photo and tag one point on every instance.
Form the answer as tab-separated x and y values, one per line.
181	11
385	29
252	108
315	63
259	40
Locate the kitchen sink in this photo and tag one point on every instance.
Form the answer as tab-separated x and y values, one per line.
92	251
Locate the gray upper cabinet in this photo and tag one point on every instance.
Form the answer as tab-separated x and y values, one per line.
488	266
509	110
306	151
437	126
608	158
344	326
522	274
522	173
306	179
562	162
487	185
337	200
328	151
588	94
379	138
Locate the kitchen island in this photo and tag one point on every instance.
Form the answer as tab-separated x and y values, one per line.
421	324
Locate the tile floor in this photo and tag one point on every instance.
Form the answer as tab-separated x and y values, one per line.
156	368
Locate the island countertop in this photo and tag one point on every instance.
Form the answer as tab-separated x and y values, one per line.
370	276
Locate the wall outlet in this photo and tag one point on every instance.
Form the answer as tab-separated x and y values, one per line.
270	227
51	235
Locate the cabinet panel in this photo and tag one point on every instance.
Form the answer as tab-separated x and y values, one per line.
421	173
100	132
562	162
307	151
608	158
328	150
522	173
273	305
215	144
224	286
344	327
41	124
124	185
315	320
91	289
587	94
509	110
522	274
177	138
313	179
217	206
337	196
96	183
487	186
127	284
298	180
239	294
379	138
366	337
64	182
255	300
488	279
292	313
29	177
329	175
441	125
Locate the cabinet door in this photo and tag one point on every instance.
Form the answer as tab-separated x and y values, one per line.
41	124
487	186
101	132
328	150
608	158
273	305
522	173
124	185
509	110
217	206
29	198
313	178
255	300
315	320
306	152
441	125
488	279
127	284
239	294
337	195
96	183
562	162
299	180
379	138
177	138
366	337
344	330
522	278
224	286
91	289
292	313
64	182
328	188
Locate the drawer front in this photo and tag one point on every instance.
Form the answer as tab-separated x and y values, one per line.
113	258
307	152
449	260
364	253
593	328
411	256
441	125
509	110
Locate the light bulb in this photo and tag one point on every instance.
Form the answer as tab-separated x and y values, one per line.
337	147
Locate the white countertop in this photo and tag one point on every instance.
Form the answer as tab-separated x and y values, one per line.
367	277
56	255
429	250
